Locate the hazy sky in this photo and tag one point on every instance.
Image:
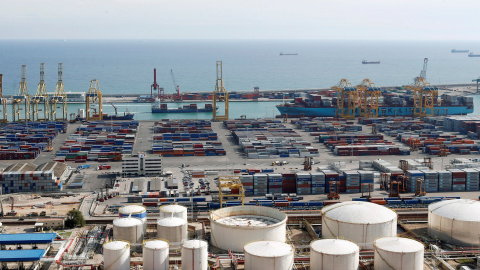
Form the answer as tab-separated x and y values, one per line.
245	19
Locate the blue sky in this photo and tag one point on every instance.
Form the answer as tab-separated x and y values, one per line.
246	19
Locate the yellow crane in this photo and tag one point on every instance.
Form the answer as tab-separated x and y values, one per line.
94	95
21	101
3	103
229	183
368	94
59	98
220	95
424	98
41	98
345	92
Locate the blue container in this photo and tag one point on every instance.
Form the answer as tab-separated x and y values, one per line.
359	199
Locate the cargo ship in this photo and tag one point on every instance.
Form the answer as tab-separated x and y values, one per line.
473	55
288	53
125	116
459	51
390	104
159	107
370	62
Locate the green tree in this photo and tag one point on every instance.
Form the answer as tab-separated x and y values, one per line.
74	219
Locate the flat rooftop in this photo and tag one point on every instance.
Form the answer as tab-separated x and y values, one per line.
26	238
21	255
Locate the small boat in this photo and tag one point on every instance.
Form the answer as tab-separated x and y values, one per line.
473	55
459	51
288	53
370	62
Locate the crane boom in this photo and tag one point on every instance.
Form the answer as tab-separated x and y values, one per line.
175	86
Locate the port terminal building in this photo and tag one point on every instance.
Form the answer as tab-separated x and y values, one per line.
142	165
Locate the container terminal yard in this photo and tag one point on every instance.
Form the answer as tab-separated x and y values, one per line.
343	192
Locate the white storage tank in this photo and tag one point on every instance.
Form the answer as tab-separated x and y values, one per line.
360	222
81	113
270	255
329	254
455	221
134	210
172	229
156	255
234	227
128	229
195	255
116	255
173	210
398	253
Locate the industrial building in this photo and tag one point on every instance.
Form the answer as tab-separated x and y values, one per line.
24	250
49	223
142	165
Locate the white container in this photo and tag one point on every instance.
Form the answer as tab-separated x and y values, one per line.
172	229
455	221
359	222
270	255
195	255
116	255
398	253
156	255
329	254
173	210
234	227
128	229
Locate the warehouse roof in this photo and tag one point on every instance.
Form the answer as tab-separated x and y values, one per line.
21	255
58	168
26	166
26	238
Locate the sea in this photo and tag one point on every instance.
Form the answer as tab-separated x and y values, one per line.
126	67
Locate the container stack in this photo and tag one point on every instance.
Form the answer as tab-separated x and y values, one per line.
412	176
180	149
29	181
458	180
444	181
260	184
304	183
330	176
289	183
431	181
318	182
275	183
247	182
252	123
366	177
472	179
352	181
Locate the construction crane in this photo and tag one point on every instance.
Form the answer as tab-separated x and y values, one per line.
3	103
12	212
59	98
220	95
21	101
114	107
40	99
345	91
368	95
176	87
94	95
230	182
333	191
156	87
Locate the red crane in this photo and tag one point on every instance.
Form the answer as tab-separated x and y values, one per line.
156	87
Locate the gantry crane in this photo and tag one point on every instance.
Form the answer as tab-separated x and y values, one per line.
345	91
368	95
220	94
59	98
40	99
176	86
21	102
156	87
3	103
424	98
94	95
230	182
423	72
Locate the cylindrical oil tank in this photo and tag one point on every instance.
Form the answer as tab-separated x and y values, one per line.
128	229
234	227
360	222
270	255
172	229
327	254
455	221
133	210
156	255
173	210
398	253
116	255
195	255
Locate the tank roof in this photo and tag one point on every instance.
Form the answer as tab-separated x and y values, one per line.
127	222
116	245
248	221
398	244
192	244
175	208
334	246
132	208
359	213
459	209
171	222
268	248
156	244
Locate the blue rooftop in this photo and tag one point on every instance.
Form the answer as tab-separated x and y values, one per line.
27	238
21	255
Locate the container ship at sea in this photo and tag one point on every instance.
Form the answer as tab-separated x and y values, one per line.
324	104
